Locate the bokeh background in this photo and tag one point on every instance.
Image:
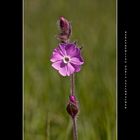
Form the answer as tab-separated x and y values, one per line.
46	92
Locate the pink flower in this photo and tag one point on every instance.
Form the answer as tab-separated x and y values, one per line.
66	58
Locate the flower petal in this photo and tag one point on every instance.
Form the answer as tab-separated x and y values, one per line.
57	65
77	60
70	69
72	50
55	57
63	70
57	50
77	68
62	48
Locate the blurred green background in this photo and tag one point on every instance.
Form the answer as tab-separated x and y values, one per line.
46	92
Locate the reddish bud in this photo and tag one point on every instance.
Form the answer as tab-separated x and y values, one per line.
72	107
72	98
65	28
64	24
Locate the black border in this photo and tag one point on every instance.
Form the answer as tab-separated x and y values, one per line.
123	70
12	88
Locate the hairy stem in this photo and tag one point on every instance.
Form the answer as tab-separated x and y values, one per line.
72	81
74	129
72	91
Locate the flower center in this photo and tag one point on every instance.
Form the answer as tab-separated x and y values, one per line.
66	59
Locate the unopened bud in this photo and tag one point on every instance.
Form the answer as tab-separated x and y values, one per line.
72	107
64	24
65	28
72	98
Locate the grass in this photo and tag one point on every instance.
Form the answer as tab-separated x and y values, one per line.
46	92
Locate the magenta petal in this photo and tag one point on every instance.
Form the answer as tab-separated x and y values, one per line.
70	69
63	71
72	50
55	57
57	65
58	51
77	68
62	49
76	61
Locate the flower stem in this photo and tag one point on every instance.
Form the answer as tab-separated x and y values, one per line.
72	92
74	129
72	81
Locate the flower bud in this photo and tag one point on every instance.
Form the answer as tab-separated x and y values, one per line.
72	99
72	107
65	29
64	24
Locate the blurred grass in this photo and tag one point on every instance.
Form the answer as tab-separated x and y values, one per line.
46	92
